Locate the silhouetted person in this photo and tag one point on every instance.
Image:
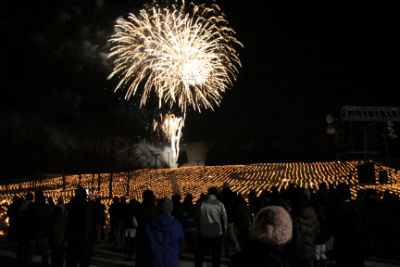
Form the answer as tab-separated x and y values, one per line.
23	229
213	224
114	213
121	214
12	213
80	230
178	211
271	231
51	203
230	241
131	226
57	236
145	213
242	220
147	209
375	209
348	231
39	220
390	225
165	238
321	208
61	205
190	223
306	229
252	197
100	219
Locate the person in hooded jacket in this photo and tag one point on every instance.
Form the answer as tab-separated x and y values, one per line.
271	231
306	230
165	237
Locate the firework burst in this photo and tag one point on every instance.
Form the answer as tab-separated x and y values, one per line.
171	127
186	56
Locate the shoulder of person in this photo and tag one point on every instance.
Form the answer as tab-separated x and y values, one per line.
177	222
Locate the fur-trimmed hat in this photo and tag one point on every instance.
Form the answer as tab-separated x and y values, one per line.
272	225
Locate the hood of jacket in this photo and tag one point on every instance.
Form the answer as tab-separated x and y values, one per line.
307	213
166	238
162	222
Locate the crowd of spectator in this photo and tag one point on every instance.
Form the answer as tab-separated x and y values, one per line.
292	227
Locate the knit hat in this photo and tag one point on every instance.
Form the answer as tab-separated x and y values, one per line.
272	225
165	206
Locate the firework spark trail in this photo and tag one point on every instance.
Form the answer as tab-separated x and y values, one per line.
186	57
172	129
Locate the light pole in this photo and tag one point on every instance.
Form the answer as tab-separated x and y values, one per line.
155	154
390	133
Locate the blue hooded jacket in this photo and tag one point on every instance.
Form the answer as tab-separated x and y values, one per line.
165	239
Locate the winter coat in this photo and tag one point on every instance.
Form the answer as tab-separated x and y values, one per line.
212	218
59	225
322	214
257	254
306	230
242	216
190	220
165	238
12	214
349	234
145	213
39	220
80	230
24	221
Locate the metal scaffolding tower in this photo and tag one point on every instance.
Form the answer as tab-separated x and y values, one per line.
369	114
364	133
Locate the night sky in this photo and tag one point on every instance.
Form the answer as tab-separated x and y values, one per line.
301	61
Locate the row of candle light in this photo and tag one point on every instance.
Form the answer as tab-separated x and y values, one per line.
196	180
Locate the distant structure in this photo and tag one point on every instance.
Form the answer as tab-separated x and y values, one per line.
366	133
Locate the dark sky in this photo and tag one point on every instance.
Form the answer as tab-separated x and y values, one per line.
301	60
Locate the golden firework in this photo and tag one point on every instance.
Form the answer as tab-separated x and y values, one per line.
171	127
187	58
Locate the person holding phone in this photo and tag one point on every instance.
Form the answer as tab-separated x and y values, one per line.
80	232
